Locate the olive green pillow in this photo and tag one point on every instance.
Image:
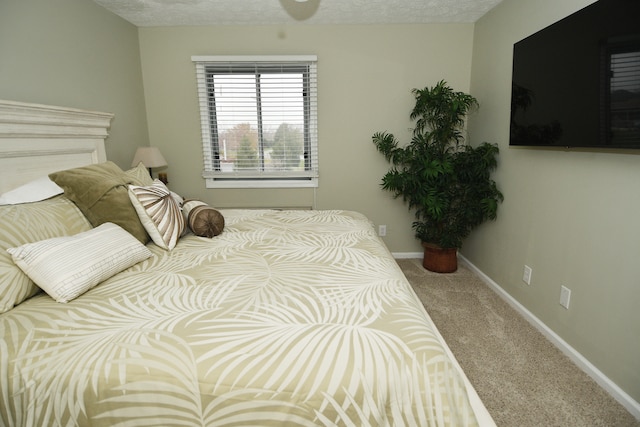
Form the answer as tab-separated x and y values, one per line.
101	193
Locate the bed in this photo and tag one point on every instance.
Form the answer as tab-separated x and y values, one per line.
286	317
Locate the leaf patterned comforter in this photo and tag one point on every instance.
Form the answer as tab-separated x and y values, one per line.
286	318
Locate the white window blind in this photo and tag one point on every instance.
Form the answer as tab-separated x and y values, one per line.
624	95
259	120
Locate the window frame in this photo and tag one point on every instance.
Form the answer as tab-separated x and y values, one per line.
212	172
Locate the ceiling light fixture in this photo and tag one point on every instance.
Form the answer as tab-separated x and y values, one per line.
300	10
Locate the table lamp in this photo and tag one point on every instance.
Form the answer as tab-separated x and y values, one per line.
151	157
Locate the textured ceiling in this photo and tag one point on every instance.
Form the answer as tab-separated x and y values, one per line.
146	13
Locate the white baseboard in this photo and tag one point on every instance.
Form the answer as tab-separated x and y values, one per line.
616	392
407	255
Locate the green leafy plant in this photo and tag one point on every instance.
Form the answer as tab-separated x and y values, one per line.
445	181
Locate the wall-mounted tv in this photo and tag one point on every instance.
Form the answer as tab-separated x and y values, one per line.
576	83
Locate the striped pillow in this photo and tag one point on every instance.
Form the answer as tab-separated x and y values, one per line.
28	223
159	213
66	267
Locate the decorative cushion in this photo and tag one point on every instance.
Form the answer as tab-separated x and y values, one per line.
140	174
100	191
202	219
34	191
32	222
178	198
66	267
159	213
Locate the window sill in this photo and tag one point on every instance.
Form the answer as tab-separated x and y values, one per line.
261	183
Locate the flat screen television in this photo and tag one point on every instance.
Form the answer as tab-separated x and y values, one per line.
576	83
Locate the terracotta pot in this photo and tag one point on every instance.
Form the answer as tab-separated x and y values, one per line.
439	260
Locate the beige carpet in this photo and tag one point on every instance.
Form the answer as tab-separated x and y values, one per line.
521	377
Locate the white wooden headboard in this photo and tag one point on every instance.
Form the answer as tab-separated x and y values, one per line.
37	139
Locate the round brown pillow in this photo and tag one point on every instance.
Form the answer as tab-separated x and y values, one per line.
203	220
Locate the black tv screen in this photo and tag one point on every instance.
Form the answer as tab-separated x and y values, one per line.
576	83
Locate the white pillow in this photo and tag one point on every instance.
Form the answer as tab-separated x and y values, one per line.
34	191
66	267
159	213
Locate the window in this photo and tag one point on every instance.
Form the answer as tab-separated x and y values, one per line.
622	92
259	120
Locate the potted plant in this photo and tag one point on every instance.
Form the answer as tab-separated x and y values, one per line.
445	181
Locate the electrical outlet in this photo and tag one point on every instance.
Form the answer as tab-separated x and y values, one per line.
565	296
526	276
382	230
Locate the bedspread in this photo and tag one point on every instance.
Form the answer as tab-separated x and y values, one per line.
286	318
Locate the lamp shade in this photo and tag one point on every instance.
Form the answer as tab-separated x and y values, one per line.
151	157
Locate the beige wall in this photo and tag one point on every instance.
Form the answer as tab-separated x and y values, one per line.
570	215
365	75
74	53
